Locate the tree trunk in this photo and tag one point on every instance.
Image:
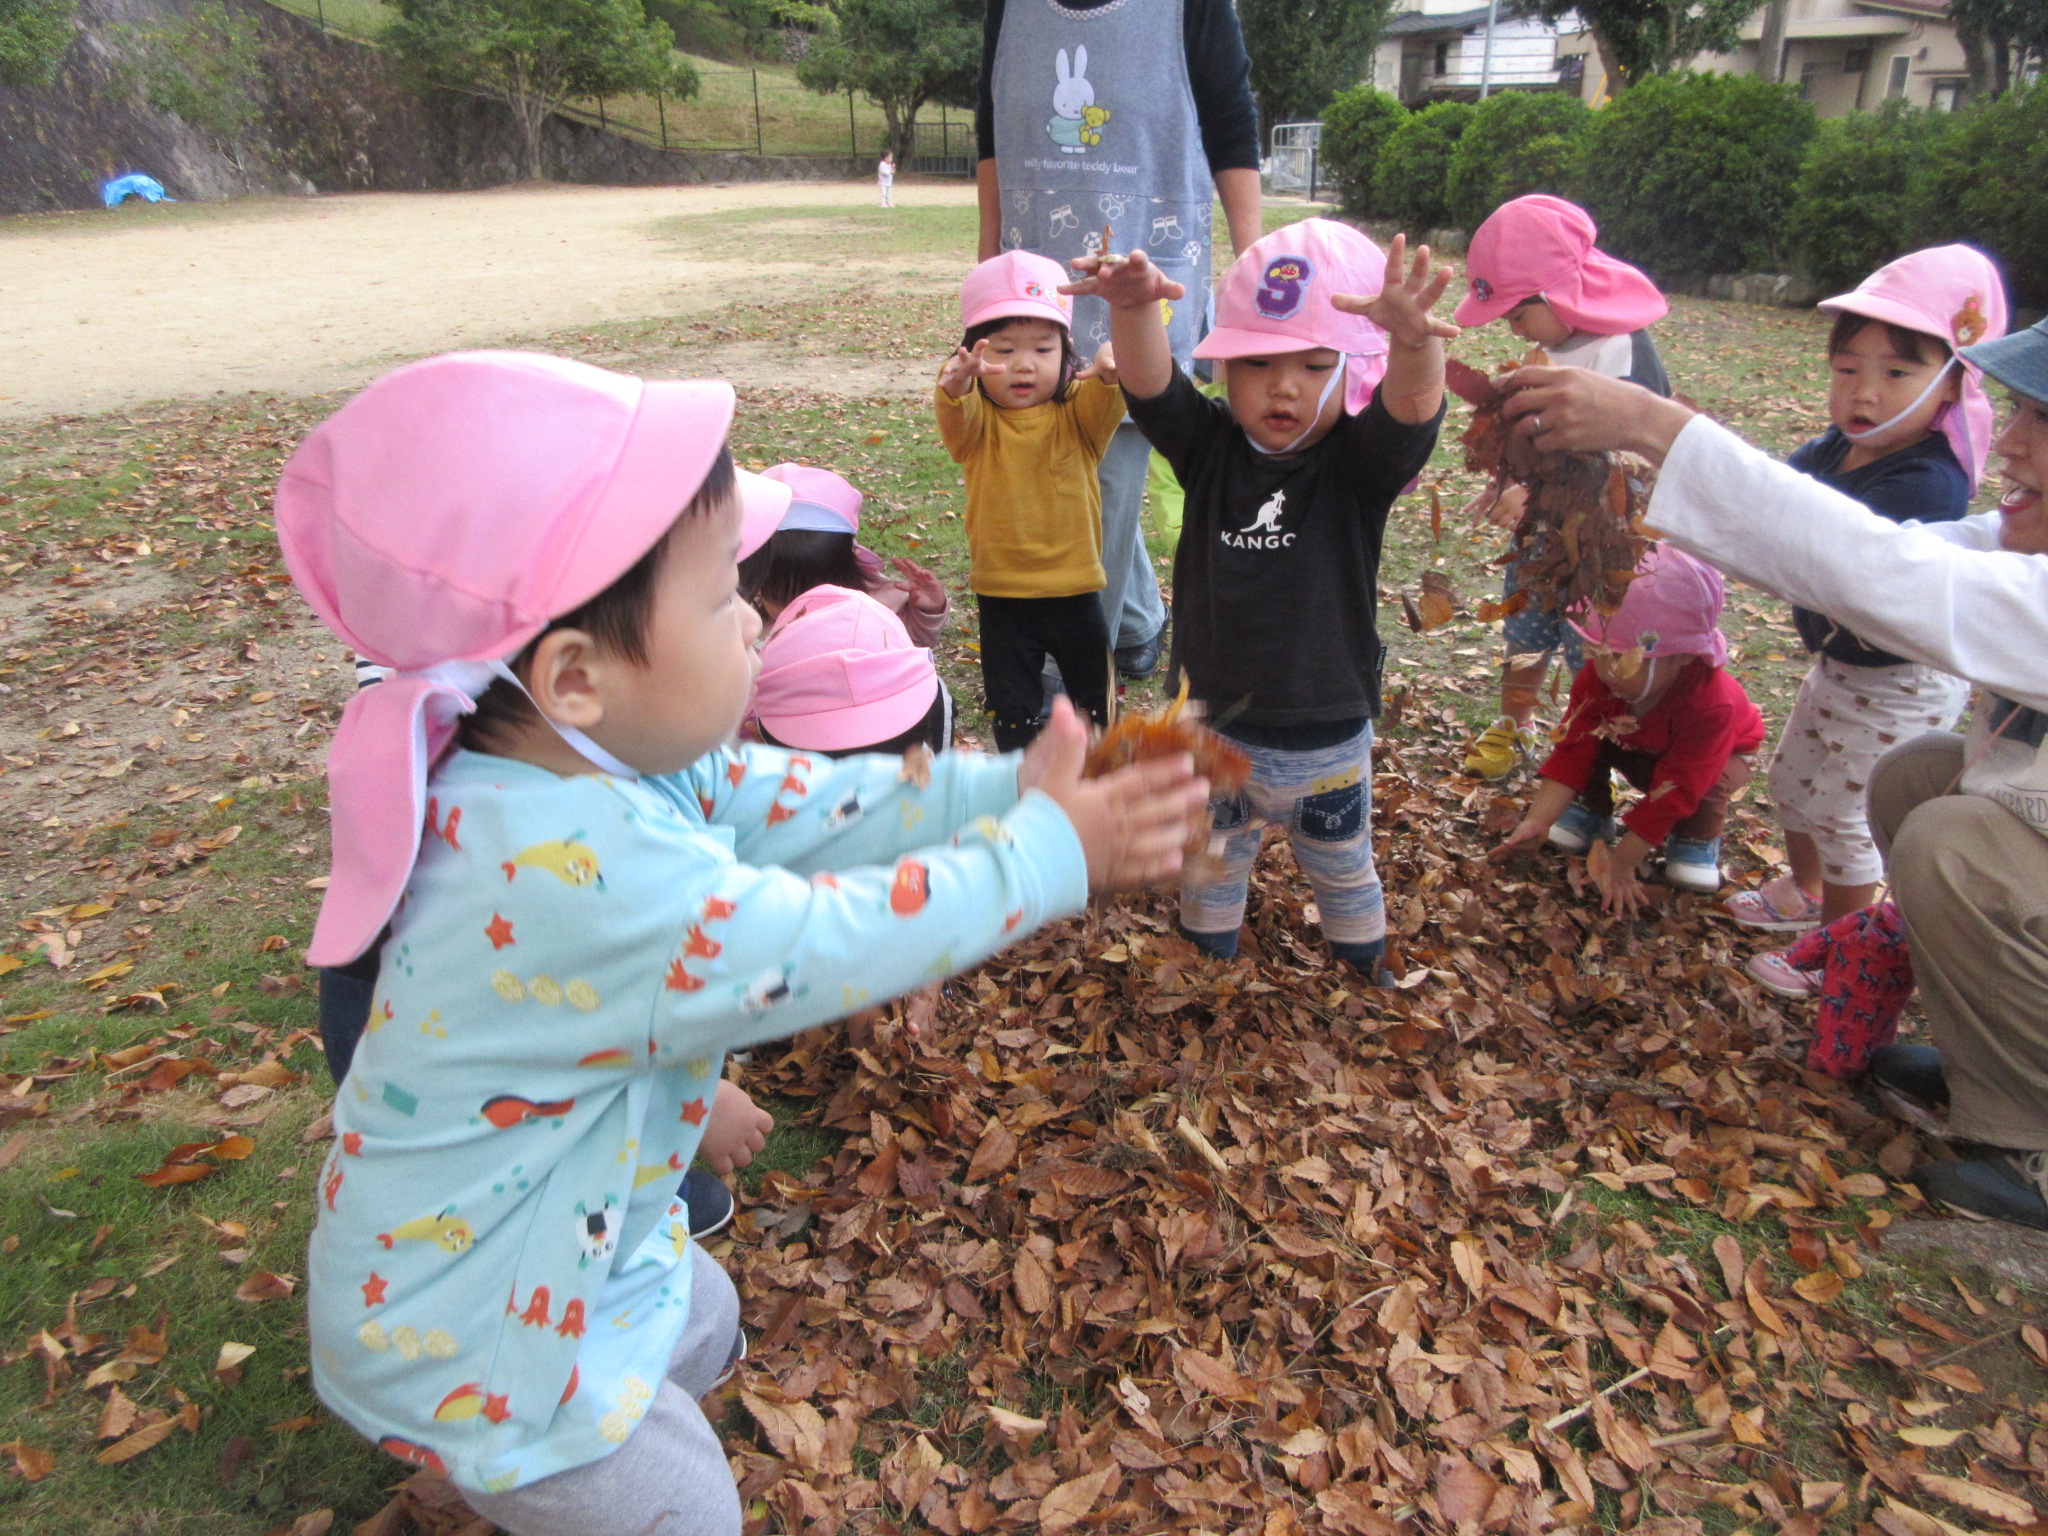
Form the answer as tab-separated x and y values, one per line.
1610	63
532	115
1976	59
1770	51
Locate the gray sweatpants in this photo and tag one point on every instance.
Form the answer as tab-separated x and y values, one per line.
1971	880
670	1478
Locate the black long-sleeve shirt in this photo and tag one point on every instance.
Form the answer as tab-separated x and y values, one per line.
1218	70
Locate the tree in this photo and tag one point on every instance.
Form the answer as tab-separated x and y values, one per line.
1998	38
1640	38
34	37
901	55
204	68
1408	185
1304	51
535	55
1517	142
1849	207
1356	126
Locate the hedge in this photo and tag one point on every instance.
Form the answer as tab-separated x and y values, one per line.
1408	186
1692	174
1849	204
1982	181
1356	124
1517	142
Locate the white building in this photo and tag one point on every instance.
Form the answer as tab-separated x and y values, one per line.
1436	50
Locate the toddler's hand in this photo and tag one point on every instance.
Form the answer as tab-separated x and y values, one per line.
734	1131
1124	282
1501	506
1102	366
1134	824
1621	893
926	590
964	367
1526	838
1402	306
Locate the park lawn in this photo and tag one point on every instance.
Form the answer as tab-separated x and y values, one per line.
177	700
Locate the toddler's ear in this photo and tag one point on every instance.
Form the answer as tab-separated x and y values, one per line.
566	678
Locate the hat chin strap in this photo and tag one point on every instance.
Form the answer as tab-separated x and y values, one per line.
471	678
1918	401
1336	378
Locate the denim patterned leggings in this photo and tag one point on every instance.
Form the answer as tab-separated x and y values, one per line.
1323	797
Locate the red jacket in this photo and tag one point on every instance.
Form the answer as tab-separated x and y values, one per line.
1703	720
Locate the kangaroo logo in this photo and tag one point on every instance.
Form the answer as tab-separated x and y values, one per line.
1268	520
1282	286
1076	122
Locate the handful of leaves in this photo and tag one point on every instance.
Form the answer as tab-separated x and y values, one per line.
1581	536
1163	732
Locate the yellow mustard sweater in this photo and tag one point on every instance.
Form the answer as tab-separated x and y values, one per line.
1034	509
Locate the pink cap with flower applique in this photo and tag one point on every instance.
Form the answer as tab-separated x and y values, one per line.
1954	293
1017	285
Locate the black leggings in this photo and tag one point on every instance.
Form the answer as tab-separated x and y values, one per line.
1017	634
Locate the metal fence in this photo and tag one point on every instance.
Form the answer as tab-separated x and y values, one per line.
1293	163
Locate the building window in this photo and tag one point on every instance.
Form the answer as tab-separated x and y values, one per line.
1443	59
1808	73
1948	95
1895	83
1571	71
1856	61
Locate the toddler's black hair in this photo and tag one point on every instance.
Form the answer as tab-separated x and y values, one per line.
796	560
1910	344
617	618
1070	361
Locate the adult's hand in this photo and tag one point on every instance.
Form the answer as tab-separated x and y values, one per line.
1563	409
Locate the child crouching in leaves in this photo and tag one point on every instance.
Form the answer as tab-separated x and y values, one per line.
590	899
1654	704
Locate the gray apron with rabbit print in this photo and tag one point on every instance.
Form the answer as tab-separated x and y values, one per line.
1095	124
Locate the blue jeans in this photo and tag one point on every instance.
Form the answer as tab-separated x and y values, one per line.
1131	604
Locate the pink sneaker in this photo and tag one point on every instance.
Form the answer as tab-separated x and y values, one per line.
1774	973
1779	907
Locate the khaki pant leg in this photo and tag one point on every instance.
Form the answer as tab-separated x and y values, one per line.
1971	880
1913	771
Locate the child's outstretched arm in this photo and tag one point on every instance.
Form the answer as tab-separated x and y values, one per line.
1545	806
964	367
1133	287
1413	389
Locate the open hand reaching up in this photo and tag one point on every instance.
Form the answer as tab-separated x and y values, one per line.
1127	282
1102	366
1402	307
964	367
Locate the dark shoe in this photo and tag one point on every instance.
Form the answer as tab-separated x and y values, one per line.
710	1203
1137	661
2003	1186
1910	1069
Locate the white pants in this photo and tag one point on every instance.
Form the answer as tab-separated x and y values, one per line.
1846	718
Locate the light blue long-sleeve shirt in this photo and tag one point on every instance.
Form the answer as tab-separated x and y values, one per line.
499	1272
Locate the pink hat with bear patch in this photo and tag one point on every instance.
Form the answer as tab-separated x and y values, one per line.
1017	285
1541	247
437	523
1672	608
1276	298
1953	293
838	673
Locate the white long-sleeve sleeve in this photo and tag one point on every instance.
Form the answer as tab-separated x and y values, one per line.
1933	594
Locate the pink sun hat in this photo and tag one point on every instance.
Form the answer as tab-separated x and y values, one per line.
819	500
838	672
1541	247
1276	298
1017	285
436	523
1953	293
1672	608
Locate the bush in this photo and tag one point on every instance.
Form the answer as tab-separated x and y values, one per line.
1849	204
34	37
1408	184
1356	126
1517	142
1692	174
1981	181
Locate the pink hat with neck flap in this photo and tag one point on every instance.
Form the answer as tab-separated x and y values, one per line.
1952	293
437	522
1672	608
1276	298
1541	247
838	672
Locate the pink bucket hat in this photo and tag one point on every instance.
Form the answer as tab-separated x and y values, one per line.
819	500
838	672
1672	608
1541	246
1954	293
1276	298
436	523
1017	285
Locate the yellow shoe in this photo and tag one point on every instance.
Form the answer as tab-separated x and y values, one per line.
1499	748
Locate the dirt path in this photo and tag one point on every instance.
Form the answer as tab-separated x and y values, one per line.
310	294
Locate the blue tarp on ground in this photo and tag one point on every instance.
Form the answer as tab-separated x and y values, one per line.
121	188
